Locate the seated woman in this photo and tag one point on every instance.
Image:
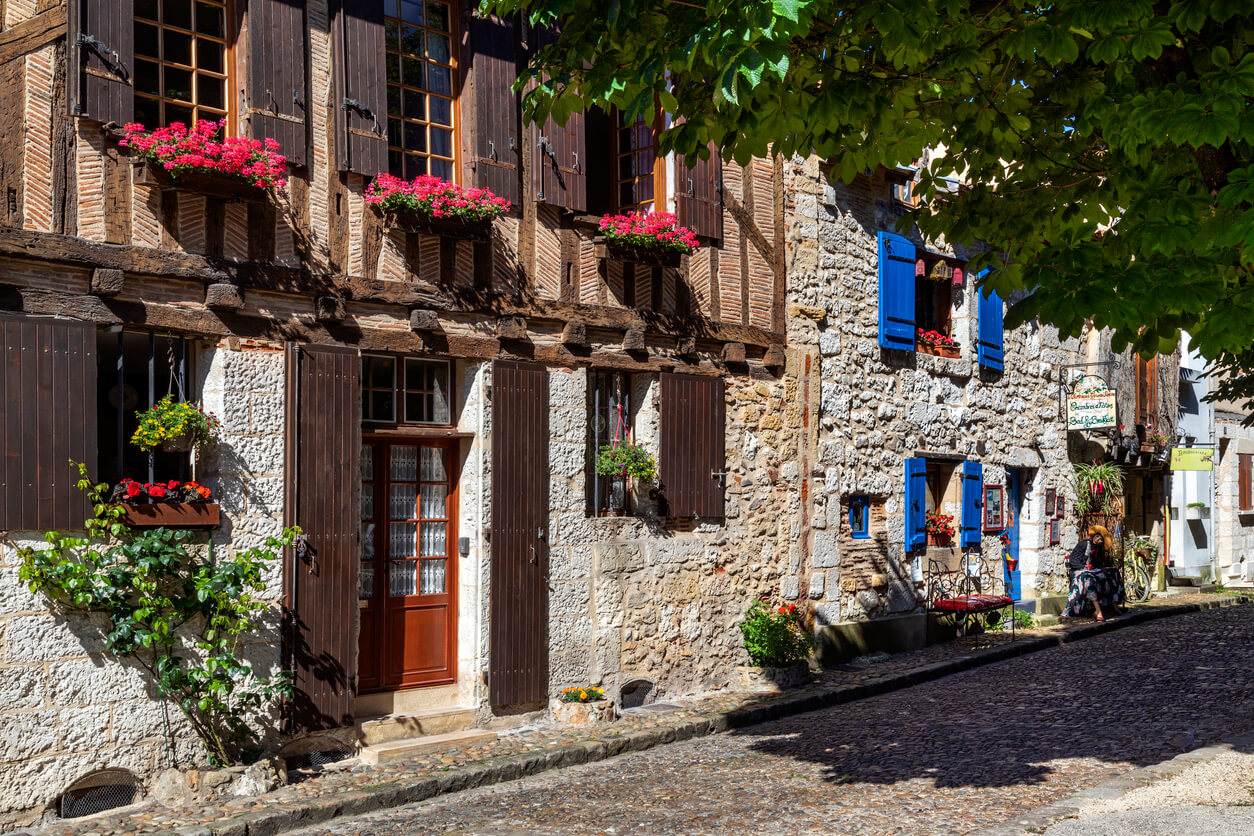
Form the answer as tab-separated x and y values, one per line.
1094	585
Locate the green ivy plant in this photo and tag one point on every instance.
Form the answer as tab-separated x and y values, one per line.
775	639
626	458
180	616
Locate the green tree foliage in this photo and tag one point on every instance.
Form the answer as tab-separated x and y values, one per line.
1063	117
181	616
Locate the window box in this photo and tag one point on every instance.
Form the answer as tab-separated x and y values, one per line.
951	351
206	184
636	255
444	227
173	515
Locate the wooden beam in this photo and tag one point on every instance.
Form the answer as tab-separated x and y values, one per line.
33	34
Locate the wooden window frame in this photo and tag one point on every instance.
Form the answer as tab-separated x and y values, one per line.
1146	391
399	420
228	74
1245	482
940	294
597	486
403	390
454	36
658	174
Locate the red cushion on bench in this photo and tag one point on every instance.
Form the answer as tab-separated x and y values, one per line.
969	603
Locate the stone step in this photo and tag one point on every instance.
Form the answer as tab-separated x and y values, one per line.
414	724
399	750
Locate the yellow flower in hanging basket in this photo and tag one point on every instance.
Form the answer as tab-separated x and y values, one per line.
170	420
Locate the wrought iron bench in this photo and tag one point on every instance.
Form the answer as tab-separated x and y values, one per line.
966	586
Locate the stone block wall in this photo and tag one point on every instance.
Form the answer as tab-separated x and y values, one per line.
1234	531
66	707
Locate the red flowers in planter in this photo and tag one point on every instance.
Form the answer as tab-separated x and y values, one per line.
433	198
203	149
940	525
650	231
130	491
935	338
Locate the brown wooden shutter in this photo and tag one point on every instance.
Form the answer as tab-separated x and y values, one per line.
1245	480
518	651
48	418
494	70
559	163
699	194
101	60
693	465
277	99
323	445
361	109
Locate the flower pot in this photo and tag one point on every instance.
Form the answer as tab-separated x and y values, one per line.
940	539
637	255
180	443
753	678
1196	512
951	351
173	515
583	713
443	227
1012	563
206	183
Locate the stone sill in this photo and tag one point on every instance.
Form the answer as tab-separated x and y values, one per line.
960	367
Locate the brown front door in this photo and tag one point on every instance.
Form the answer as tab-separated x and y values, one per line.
408	564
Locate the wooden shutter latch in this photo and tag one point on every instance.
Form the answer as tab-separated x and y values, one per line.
721	476
362	109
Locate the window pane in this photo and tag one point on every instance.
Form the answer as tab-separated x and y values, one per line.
209	20
411	11
392	33
441	110
209	55
402	539
178	47
147	77
432	580
441	142
381	406
439	80
404	504
393	62
367	502
433	539
405	465
147	8
177	13
411	39
396	166
147	112
442	169
366	589
415	105
411	71
437	16
394	101
434	502
178	84
394	132
433	469
176	113
381	372
147	40
402	578
209	91
365	464
390	7
415	137
438	48
415	166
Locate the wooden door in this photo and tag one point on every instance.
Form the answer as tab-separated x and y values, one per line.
408	564
518	662
323	439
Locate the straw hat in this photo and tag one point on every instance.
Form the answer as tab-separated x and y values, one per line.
1106	541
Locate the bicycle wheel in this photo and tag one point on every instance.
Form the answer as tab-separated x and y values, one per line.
1136	582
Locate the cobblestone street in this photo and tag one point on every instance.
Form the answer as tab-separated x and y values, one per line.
950	756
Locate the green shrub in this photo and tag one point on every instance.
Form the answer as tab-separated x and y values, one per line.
775	639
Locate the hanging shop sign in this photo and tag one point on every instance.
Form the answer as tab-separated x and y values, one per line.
1092	406
1192	458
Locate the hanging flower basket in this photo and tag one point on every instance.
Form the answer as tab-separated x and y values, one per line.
433	206
1012	563
650	238
174	422
180	443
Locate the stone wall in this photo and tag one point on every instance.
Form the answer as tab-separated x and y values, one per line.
67	708
1234	531
879	407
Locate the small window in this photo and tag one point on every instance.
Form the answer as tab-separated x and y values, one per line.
859	518
422	80
904	192
378	388
426	391
610	419
638	180
180	61
933	303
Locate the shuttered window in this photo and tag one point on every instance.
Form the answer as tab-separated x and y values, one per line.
360	96
180	61
47	419
421	87
1147	391
692	462
915	503
494	69
102	60
559	162
970	526
699	193
277	100
896	292
990	343
1245	481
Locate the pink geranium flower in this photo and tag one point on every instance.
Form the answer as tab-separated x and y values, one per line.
203	148
649	230
432	197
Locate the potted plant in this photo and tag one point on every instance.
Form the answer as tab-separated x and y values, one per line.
1012	563
174	504
434	206
934	342
201	159
622	460
940	528
652	238
1097	487
1196	511
175	426
583	705
778	645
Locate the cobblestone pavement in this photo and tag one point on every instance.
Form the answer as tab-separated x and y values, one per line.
515	754
949	756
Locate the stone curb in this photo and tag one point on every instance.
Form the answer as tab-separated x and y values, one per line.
307	812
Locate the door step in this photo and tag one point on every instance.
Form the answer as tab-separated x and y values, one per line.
414	724
399	750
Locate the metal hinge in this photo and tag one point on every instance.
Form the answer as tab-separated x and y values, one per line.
363	109
108	55
721	476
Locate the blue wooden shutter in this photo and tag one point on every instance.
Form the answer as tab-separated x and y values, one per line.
916	504
990	340
972	500
896	292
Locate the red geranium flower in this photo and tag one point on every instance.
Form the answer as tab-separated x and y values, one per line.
156	491
132	488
